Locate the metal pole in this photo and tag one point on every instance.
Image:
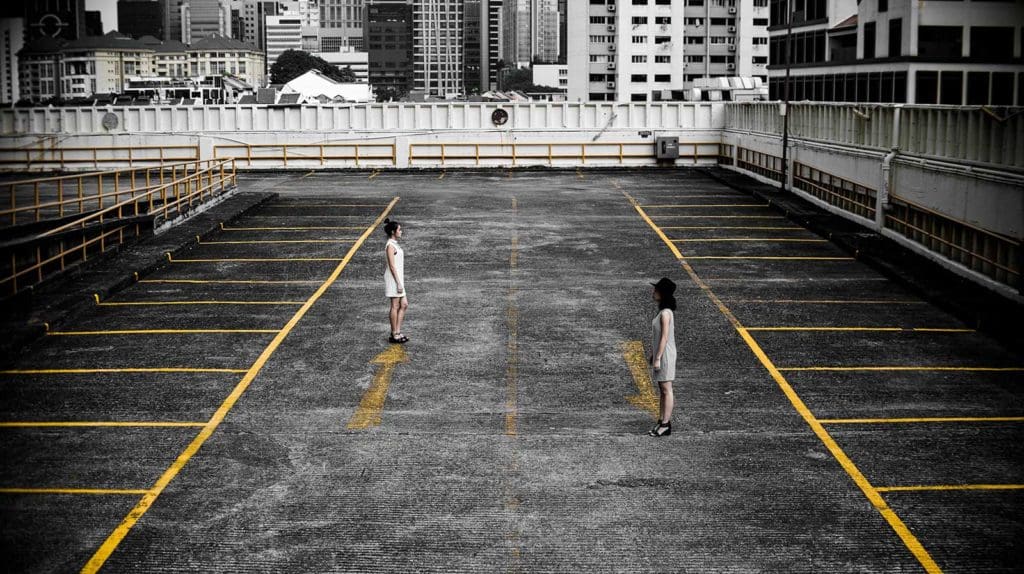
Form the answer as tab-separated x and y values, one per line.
785	95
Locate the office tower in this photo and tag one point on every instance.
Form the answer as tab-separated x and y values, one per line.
471	47
491	43
438	47
208	18
93	23
899	51
341	24
139	18
530	32
624	51
283	33
63	19
12	38
387	33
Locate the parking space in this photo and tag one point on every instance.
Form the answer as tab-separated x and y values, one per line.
240	408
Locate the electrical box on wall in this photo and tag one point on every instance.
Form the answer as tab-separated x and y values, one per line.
667	147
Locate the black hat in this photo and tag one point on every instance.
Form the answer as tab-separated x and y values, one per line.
665	286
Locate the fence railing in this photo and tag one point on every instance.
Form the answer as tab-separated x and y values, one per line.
839	192
48	156
550	153
324	154
43	198
32	260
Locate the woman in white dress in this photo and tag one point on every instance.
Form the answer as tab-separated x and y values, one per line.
663	352
394	280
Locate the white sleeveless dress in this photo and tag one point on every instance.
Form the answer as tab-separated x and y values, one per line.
390	284
667	372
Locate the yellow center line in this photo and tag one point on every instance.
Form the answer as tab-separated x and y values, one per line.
691	205
117	370
127	491
753	227
705	216
139	424
872	494
770	258
906	368
759	239
830	301
262	241
313	228
280	206
927	487
158	303
253	260
232	281
922	420
512	323
371	407
149	498
158	332
880	329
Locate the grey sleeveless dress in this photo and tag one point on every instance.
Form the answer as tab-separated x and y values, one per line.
667	372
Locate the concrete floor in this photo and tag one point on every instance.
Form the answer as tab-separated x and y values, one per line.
512	438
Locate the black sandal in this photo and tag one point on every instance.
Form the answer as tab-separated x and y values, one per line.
661	429
403	339
393	340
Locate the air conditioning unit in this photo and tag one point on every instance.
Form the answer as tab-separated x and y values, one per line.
732	47
611	85
611	7
732	28
731	67
732	10
611	47
684	65
611	65
611	27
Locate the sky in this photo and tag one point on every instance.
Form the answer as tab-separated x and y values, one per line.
109	10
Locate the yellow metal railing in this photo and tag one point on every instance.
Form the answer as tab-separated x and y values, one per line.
761	163
991	254
61	158
59	196
358	153
519	152
834	190
31	261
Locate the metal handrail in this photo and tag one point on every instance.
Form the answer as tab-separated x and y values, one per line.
284	147
551	155
96	160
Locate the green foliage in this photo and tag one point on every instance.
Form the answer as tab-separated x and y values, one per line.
293	63
521	79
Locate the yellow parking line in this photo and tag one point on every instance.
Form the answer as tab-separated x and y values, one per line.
281	206
922	420
159	303
140	424
758	239
261	241
124	370
253	260
312	228
750	227
157	332
830	301
718	216
693	205
907	368
767	258
870	492
150	497
926	487
375	173
129	491
233	281
881	329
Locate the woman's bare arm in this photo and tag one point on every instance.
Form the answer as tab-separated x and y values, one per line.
391	266
663	341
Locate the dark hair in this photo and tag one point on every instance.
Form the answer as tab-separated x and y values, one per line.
390	227
667	302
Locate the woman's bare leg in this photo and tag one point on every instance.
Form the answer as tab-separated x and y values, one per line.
393	315
403	304
668	401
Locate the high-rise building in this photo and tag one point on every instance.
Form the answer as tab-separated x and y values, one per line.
622	51
283	33
254	16
901	51
208	18
139	18
12	38
490	43
563	35
93	23
178	21
472	37
341	24
530	32
438	47
387	33
54	19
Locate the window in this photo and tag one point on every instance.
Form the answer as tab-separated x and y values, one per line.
597	77
760	21
639	2
883	5
638	97
927	87
664	78
895	38
638	78
662	39
668	60
940	41
993	43
760	40
869	40
639	39
951	88
694	39
663	20
695	59
637	20
639	59
593	20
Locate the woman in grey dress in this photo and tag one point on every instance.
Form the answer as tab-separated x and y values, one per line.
663	352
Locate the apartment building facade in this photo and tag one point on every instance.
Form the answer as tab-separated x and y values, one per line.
438	49
387	33
643	50
904	51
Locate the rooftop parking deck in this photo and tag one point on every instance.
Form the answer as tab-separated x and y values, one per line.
240	409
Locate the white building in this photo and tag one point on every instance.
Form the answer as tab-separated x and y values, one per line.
12	39
282	33
632	51
900	51
218	55
437	48
551	75
315	87
358	62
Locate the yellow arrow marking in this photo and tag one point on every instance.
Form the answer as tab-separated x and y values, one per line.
370	408
644	399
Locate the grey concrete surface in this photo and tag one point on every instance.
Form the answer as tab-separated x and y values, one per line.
442	485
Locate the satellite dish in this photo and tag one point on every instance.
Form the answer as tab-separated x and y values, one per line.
109	121
499	117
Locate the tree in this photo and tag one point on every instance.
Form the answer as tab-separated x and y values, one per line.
389	94
521	79
293	63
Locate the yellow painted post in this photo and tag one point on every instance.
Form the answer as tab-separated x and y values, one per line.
513	153
583	154
442	154
14	204
60	197
394	154
129	156
39	261
81	195
95	159
357	155
551	160
99	191
36	188
322	155
284	154
476	148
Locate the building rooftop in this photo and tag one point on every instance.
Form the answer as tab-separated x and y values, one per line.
219	43
109	41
